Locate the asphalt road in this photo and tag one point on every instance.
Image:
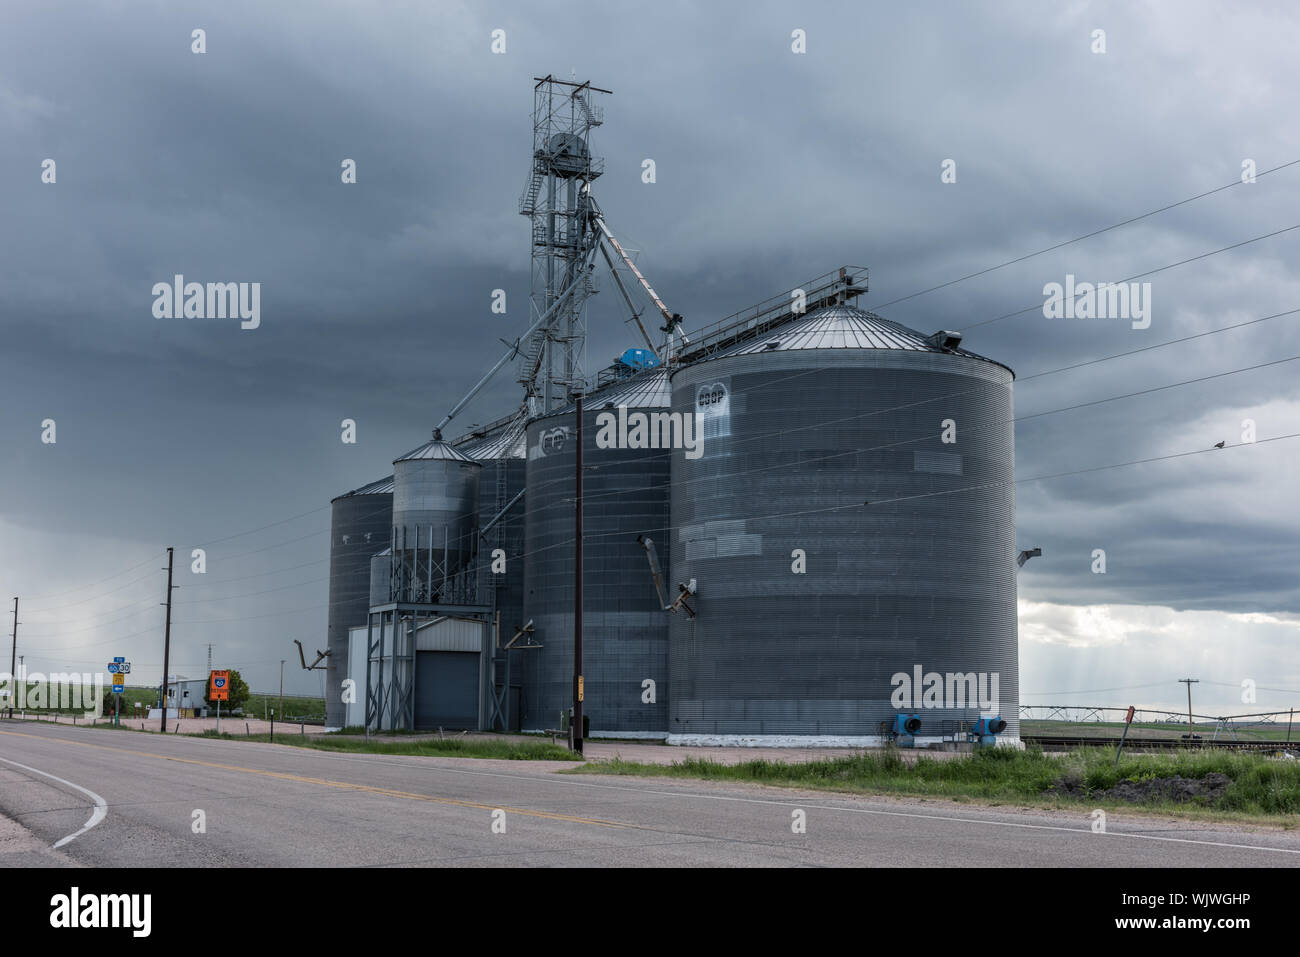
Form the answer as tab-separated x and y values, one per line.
109	798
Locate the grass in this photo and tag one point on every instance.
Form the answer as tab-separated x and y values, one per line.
428	747
1259	787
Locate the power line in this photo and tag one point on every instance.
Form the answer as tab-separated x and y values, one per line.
249	594
1158	684
95	625
1159	388
98	583
240	578
283	521
1150	272
1158	345
1076	239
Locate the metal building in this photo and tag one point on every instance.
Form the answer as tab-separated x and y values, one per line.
625	629
360	523
850	563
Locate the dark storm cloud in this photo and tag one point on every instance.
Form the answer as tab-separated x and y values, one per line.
771	168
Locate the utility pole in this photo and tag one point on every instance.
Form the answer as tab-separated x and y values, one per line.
1189	682
13	676
167	638
578	689
281	689
209	658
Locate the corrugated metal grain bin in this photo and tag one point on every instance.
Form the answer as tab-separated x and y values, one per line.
625	634
818	612
359	526
435	507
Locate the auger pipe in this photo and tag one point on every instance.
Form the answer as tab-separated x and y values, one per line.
514	350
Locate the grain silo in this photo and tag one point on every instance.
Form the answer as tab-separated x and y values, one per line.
435	509
850	527
625	629
359	526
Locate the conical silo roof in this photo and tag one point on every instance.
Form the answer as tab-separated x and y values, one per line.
510	442
435	450
645	390
847	327
383	486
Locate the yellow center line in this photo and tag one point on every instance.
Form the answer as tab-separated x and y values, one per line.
344	785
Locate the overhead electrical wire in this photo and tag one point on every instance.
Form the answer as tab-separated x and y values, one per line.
1141	275
1077	239
38	598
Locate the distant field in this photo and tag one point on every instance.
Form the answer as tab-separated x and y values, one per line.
1113	729
260	705
257	706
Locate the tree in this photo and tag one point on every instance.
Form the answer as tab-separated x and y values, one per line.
238	694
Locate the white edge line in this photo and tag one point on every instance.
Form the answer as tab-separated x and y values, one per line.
101	806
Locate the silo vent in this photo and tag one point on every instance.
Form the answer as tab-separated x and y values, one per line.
945	340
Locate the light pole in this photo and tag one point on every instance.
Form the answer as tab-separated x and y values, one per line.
167	638
578	690
13	678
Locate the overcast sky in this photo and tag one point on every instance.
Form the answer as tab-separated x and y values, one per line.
771	167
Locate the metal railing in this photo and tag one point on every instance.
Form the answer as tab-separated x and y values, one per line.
839	285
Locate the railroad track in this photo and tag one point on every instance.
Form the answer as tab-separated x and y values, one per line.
1059	741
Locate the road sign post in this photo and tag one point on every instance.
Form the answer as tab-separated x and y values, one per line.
219	691
118	667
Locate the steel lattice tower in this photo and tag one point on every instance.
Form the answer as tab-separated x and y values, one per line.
564	238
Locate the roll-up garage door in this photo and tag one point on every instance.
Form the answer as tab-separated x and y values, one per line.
446	689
